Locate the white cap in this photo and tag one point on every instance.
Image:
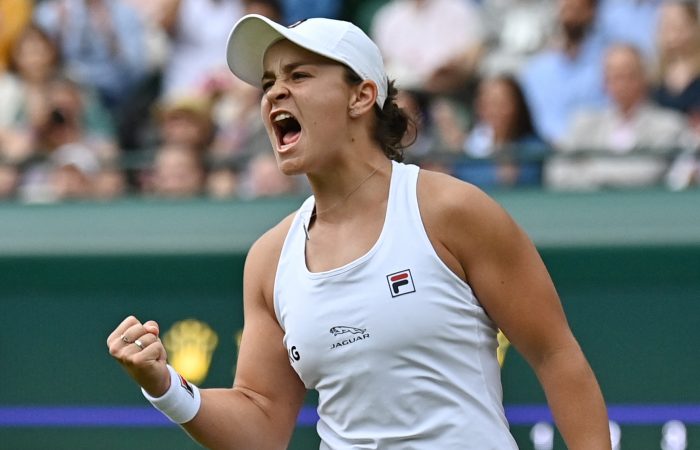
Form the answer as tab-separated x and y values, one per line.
340	41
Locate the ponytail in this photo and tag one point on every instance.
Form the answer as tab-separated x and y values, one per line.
392	122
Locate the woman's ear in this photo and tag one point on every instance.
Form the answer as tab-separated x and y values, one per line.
363	98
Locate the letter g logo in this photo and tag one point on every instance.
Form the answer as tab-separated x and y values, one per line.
294	354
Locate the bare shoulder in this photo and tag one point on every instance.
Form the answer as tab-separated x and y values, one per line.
263	258
269	245
462	221
446	200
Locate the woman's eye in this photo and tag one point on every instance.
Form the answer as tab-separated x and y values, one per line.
266	85
299	75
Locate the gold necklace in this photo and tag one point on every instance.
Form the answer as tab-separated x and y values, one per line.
315	213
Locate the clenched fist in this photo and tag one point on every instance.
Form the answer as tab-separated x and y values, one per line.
138	349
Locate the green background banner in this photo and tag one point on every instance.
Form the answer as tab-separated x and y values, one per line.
626	265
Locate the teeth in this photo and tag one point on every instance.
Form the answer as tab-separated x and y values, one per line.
282	116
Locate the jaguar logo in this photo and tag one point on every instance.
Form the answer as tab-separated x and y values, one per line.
355	335
343	329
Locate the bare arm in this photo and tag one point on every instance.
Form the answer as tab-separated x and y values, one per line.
261	408
483	245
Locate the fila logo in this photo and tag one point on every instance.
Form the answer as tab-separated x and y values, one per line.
185	385
401	283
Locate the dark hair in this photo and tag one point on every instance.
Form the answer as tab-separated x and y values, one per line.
392	122
523	125
32	29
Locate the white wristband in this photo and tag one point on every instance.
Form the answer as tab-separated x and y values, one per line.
180	402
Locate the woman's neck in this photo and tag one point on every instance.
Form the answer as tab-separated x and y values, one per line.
347	188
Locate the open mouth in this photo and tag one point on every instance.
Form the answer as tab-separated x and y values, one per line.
287	129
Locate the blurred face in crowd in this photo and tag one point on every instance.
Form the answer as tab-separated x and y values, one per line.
9	179
625	77
62	121
66	97
109	184
223	183
187	127
69	182
178	172
34	55
575	17
496	106
678	27
265	178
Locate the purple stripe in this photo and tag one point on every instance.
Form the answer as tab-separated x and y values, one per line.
307	416
81	416
146	416
527	414
624	414
653	414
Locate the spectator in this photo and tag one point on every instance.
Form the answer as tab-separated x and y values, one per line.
503	146
269	8
9	180
101	41
198	31
568	76
632	22
430	45
156	17
223	182
109	183
74	168
239	132
264	179
678	77
34	67
177	172
448	122
14	16
632	126
517	29
186	120
420	142
296	10
63	137
684	171
33	64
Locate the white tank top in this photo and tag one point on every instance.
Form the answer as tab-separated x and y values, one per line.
401	353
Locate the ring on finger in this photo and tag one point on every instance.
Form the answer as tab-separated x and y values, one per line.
125	339
139	344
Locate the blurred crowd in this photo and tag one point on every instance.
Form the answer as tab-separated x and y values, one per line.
103	99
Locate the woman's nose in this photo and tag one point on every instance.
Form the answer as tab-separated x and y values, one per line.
277	92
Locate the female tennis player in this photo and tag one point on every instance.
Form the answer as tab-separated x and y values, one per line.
383	292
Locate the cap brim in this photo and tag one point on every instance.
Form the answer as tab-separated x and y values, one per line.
250	38
336	40
248	41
